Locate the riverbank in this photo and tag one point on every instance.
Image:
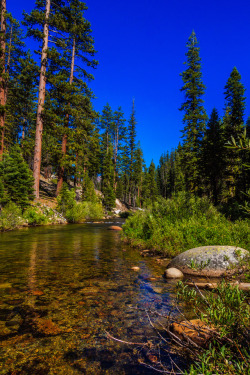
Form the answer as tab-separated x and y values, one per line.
172	226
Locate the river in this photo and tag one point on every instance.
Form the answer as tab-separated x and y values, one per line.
64	290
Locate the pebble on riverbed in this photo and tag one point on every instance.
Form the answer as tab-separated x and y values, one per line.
114	227
173	273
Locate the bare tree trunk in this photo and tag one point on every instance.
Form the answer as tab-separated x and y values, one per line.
41	100
2	73
64	140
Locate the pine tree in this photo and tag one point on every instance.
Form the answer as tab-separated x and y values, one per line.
2	74
233	125
194	115
77	52
108	179
212	151
150	191
132	147
119	138
138	167
39	18
21	103
16	178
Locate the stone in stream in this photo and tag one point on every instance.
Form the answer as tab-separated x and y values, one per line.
194	330
173	273
114	227
212	261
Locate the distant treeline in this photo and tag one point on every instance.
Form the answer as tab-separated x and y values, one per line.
46	109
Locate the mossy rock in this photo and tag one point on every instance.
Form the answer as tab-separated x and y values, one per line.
213	261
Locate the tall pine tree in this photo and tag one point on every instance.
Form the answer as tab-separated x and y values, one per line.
194	115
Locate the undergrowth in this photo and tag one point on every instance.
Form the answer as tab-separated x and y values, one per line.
227	310
181	223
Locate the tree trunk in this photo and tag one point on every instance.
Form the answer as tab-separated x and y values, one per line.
2	73
64	140
41	100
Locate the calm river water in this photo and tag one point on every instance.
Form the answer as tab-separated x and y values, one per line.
62	288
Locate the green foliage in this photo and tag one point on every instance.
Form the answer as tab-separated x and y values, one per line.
212	156
16	178
83	211
77	212
10	217
233	122
108	180
88	189
194	115
34	216
181	223
227	310
66	199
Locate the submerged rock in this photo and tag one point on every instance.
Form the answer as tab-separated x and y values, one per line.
210	260
194	330
173	273
135	268
114	227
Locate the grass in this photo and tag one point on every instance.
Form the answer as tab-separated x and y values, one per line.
227	311
181	223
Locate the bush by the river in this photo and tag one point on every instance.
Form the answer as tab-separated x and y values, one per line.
184	222
16	181
10	217
77	212
34	216
227	311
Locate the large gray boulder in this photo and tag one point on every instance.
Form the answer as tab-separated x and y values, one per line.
211	261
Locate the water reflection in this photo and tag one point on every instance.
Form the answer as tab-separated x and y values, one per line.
62	288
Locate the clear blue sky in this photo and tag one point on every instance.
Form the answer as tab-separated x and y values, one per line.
141	48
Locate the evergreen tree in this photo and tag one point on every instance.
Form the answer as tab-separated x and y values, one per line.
38	23
212	150
21	102
194	115
107	180
16	178
132	147
2	74
138	174
233	125
120	133
150	191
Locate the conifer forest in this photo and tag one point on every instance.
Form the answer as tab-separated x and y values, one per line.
48	117
90	296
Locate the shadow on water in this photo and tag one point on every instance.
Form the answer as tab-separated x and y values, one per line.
62	288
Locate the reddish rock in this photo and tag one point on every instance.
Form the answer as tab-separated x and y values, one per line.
114	227
195	330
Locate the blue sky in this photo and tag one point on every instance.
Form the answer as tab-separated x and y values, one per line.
141	48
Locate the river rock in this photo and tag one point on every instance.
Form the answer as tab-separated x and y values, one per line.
193	330
212	261
114	227
173	273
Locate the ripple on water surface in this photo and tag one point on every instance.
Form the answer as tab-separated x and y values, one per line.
62	289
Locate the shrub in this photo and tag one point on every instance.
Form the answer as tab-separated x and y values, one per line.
34	216
184	222
10	217
66	199
227	310
84	210
16	179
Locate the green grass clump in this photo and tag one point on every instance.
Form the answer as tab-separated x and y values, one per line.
226	310
10	217
77	212
84	211
181	223
34	216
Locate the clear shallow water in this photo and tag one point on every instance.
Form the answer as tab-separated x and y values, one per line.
62	288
